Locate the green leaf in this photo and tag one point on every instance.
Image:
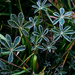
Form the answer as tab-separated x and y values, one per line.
2	37
70	32
20	48
3	42
40	47
10	58
47	5
55	21
21	18
34	6
55	30
33	48
16	41
36	11
62	11
13	24
44	1
28	25
73	36
14	18
61	21
68	13
56	14
39	40
57	37
9	41
66	28
25	32
46	39
36	34
30	19
40	29
2	65
45	32
34	62
67	38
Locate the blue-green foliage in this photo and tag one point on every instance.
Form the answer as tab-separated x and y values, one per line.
11	47
41	6
17	22
49	46
60	71
61	16
33	23
62	32
41	34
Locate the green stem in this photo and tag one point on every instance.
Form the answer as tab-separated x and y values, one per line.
39	17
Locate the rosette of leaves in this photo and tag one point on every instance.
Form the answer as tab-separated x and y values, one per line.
61	16
17	22
33	40
41	6
11	47
49	46
62	32
32	23
60	71
41	34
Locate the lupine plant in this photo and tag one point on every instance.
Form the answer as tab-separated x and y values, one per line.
61	16
44	48
41	6
11	47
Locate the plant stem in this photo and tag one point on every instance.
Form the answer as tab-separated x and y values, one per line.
39	17
23	62
11	63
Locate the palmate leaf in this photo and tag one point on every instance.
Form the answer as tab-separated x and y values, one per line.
2	65
10	58
16	41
